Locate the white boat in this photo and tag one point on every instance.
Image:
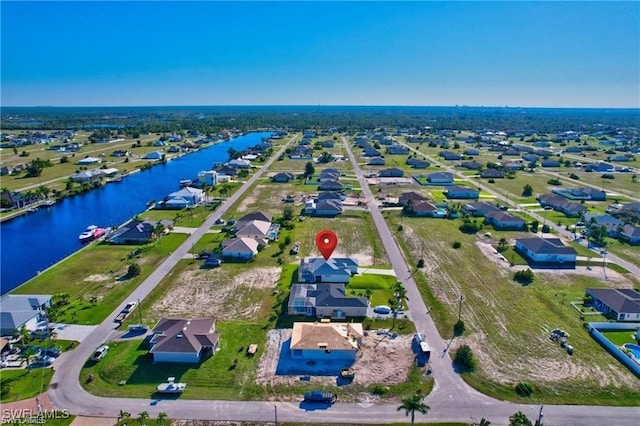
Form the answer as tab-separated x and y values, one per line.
88	234
171	386
48	203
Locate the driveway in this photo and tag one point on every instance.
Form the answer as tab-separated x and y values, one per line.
74	331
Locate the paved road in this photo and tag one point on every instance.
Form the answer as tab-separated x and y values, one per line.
451	400
612	258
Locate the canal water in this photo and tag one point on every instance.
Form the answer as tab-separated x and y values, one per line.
35	241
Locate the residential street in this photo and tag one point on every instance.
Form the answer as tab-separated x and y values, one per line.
451	399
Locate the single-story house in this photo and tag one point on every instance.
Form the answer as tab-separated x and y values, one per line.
492	174
551	163
471	151
480	208
328	144
192	196
440	178
240	248
504	221
448	155
325	300
471	165
376	161
22	310
546	253
411	195
423	209
630	234
530	157
599	168
326	341
239	163
87	176
561	204
88	161
256	229
391	172
283	177
457	192
330	195
621	304
327	207
330	185
613	225
137	231
334	270
183	340
154	155
418	164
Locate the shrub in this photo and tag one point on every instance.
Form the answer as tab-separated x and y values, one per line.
574	176
545	228
134	270
524	389
379	390
524	277
420	263
464	358
554	181
458	328
457	244
491	181
469	227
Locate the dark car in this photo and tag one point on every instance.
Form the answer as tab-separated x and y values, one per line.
52	352
219	221
42	361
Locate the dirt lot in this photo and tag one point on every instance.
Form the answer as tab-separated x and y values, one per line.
381	360
217	293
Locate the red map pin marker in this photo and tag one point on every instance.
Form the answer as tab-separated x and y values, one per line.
326	241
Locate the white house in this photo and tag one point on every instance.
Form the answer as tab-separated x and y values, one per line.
154	155
621	304
22	310
546	252
183	340
192	195
334	270
89	160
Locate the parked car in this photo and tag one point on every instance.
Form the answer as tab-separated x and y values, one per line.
129	307
219	221
381	309
42	361
52	352
99	353
320	396
138	328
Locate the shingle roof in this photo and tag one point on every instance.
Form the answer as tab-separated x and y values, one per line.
621	300
183	335
545	245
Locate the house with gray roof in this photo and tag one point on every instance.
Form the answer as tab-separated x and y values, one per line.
22	310
334	270
461	192
240	248
621	304
480	208
561	204
630	234
440	178
183	340
504	221
325	301
138	231
546	253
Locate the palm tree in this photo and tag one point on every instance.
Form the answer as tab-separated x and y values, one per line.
93	300
413	404
161	416
123	415
142	417
519	419
26	355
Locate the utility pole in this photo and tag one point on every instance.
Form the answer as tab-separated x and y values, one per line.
460	299
540	416
275	408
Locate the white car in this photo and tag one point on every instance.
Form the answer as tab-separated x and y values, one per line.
99	353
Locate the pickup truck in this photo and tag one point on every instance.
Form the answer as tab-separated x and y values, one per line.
320	396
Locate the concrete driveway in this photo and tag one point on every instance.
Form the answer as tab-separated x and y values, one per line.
73	331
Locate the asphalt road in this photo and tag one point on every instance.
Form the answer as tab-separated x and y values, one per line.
451	400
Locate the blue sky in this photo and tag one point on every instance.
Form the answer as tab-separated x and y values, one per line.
556	54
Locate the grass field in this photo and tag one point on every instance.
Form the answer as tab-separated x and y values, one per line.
22	384
620	337
99	270
508	324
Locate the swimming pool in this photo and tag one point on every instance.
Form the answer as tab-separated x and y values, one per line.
635	351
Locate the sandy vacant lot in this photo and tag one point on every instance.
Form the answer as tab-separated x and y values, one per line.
214	292
381	360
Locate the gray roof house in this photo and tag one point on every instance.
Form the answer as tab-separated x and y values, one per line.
283	177
137	231
240	248
376	161
22	310
330	185
440	178
327	207
480	208
391	172
546	253
183	340
504	221
630	234
334	270
457	192
621	304
325	300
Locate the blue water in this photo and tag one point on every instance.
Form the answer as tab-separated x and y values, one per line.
635	350
37	240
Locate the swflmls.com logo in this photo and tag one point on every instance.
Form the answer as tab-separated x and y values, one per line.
28	415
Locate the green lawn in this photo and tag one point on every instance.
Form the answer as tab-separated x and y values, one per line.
509	323
22	384
620	337
100	270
